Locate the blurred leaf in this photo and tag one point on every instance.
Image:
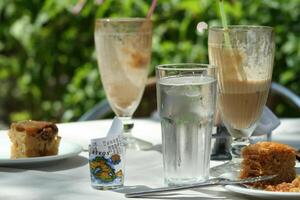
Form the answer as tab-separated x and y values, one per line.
19	116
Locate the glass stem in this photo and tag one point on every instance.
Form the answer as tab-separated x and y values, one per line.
128	125
237	145
130	141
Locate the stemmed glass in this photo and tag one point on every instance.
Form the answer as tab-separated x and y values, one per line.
245	56
123	48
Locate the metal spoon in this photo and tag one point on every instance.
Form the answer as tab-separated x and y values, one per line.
210	182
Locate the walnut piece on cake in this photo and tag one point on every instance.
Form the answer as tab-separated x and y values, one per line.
294	186
33	139
268	158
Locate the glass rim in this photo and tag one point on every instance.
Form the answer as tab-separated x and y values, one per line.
241	27
123	19
179	66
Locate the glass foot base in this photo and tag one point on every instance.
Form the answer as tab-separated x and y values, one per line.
102	187
182	182
137	144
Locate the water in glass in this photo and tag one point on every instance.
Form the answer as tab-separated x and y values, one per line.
186	107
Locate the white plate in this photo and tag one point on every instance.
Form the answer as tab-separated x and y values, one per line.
66	150
264	194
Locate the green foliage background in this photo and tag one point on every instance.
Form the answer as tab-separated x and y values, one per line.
48	68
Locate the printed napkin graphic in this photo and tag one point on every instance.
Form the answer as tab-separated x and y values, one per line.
106	157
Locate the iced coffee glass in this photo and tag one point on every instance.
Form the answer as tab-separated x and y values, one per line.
123	48
245	56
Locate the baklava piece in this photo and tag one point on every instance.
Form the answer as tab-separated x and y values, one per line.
269	158
33	139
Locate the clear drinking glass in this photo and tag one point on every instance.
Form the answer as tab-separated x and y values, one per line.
186	100
245	56
123	48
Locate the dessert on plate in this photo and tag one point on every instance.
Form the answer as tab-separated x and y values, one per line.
294	186
270	158
33	139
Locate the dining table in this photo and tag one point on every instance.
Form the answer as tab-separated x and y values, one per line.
69	179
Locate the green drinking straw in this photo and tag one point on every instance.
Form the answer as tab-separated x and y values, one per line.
240	70
224	23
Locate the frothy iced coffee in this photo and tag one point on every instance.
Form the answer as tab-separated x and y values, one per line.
241	102
241	99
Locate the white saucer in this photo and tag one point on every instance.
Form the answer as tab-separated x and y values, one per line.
262	193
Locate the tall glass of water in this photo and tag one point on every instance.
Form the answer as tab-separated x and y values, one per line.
123	48
186	99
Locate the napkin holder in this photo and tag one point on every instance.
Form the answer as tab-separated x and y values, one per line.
107	158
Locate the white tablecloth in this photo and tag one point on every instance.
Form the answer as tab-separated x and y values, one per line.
69	179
